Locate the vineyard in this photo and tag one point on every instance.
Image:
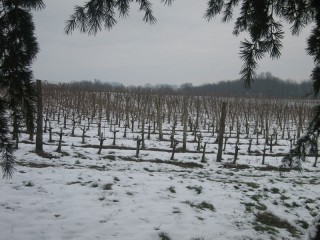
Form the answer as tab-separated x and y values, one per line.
128	118
134	163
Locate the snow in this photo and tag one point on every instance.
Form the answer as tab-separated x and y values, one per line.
69	196
314	228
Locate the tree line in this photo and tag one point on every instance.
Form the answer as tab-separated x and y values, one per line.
265	85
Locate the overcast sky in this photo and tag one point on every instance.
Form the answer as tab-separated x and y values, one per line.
182	47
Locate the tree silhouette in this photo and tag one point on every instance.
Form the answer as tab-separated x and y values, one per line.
18	49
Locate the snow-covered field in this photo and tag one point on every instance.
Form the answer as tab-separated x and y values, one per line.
80	194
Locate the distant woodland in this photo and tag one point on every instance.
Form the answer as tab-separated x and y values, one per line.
264	85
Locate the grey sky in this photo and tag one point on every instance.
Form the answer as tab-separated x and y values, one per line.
181	47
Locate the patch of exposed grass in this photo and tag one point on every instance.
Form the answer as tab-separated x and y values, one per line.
200	218
236	166
110	157
65	154
269	219
287	205
202	206
297	182
313	214
198	189
183	164
256	197
99	168
284	197
261	207
28	184
164	236
107	186
267	168
302	224
230	174
275	190
172	189
80	155
94	185
312	211
175	163
75	182
273	168
148	170
205	205
294	204
249	206
314	181
252	184
176	210
34	165
264	228
86	183
308	200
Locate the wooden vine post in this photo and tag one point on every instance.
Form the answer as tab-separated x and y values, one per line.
221	130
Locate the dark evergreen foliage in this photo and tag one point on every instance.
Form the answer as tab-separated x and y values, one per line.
95	15
265	85
18	49
307	144
6	147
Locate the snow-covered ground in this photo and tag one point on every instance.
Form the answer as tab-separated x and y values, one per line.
79	194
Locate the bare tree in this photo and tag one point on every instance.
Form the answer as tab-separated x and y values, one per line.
39	140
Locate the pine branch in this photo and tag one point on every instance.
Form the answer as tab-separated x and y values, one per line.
123	7
307	144
228	10
249	52
90	17
214	8
274	38
313	43
167	2
33	4
145	6
242	21
298	13
77	20
7	160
